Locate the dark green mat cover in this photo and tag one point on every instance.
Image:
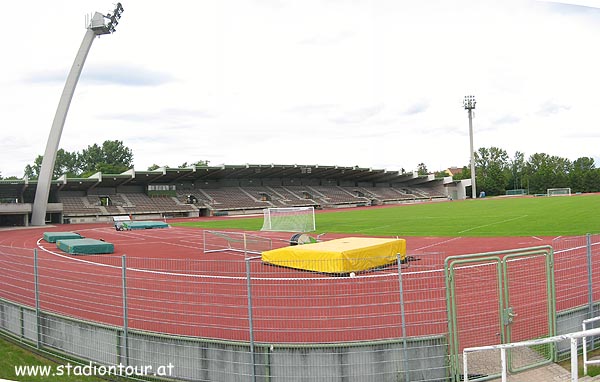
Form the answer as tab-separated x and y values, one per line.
53	237
85	246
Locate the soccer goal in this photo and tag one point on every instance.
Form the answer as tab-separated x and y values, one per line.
559	191
289	219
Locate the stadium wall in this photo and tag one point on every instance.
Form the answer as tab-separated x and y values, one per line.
211	360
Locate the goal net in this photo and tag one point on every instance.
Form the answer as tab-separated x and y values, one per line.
222	241
559	191
289	219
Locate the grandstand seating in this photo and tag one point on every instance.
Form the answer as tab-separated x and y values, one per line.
239	199
391	194
290	197
217	190
232	198
131	203
335	195
142	203
78	206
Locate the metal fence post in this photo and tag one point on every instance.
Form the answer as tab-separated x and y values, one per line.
125	314
250	322
403	318
588	245
38	325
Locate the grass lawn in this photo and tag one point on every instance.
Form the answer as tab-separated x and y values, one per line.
593	370
13	355
490	217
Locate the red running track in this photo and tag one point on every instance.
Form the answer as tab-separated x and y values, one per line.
173	287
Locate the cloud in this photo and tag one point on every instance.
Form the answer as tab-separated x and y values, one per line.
417	108
551	108
445	130
358	115
583	134
161	116
574	7
327	39
313	109
46	76
506	119
125	75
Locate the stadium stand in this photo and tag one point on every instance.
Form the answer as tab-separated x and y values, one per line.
215	190
286	197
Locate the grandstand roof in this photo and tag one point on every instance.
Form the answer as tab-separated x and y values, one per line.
222	172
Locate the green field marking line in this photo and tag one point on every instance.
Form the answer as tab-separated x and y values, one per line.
491	224
375	228
436	244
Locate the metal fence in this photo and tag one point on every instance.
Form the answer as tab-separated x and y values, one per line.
238	319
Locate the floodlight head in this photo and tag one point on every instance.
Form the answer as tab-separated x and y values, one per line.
98	25
469	102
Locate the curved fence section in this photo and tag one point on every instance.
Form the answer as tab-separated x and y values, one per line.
239	319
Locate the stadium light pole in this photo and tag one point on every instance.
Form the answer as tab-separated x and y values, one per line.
97	26
469	105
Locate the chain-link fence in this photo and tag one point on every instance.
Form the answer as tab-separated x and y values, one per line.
240	319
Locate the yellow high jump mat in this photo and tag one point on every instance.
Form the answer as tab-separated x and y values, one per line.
350	254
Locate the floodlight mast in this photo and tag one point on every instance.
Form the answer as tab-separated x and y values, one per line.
469	105
97	26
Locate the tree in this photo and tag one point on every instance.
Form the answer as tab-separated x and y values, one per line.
201	163
422	169
112	157
492	170
544	171
464	174
117	154
517	171
32	172
584	177
89	158
66	163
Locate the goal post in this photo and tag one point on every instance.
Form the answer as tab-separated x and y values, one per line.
289	219
559	191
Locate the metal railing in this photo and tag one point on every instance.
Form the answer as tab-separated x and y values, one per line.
573	337
587	362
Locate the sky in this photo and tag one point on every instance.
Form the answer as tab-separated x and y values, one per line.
368	83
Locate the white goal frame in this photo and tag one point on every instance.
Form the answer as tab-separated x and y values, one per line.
289	219
563	191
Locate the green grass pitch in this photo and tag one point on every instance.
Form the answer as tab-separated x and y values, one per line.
490	217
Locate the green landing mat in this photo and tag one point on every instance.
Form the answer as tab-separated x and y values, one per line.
85	246
53	237
144	225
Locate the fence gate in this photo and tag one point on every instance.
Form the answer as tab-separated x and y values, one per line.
500	297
